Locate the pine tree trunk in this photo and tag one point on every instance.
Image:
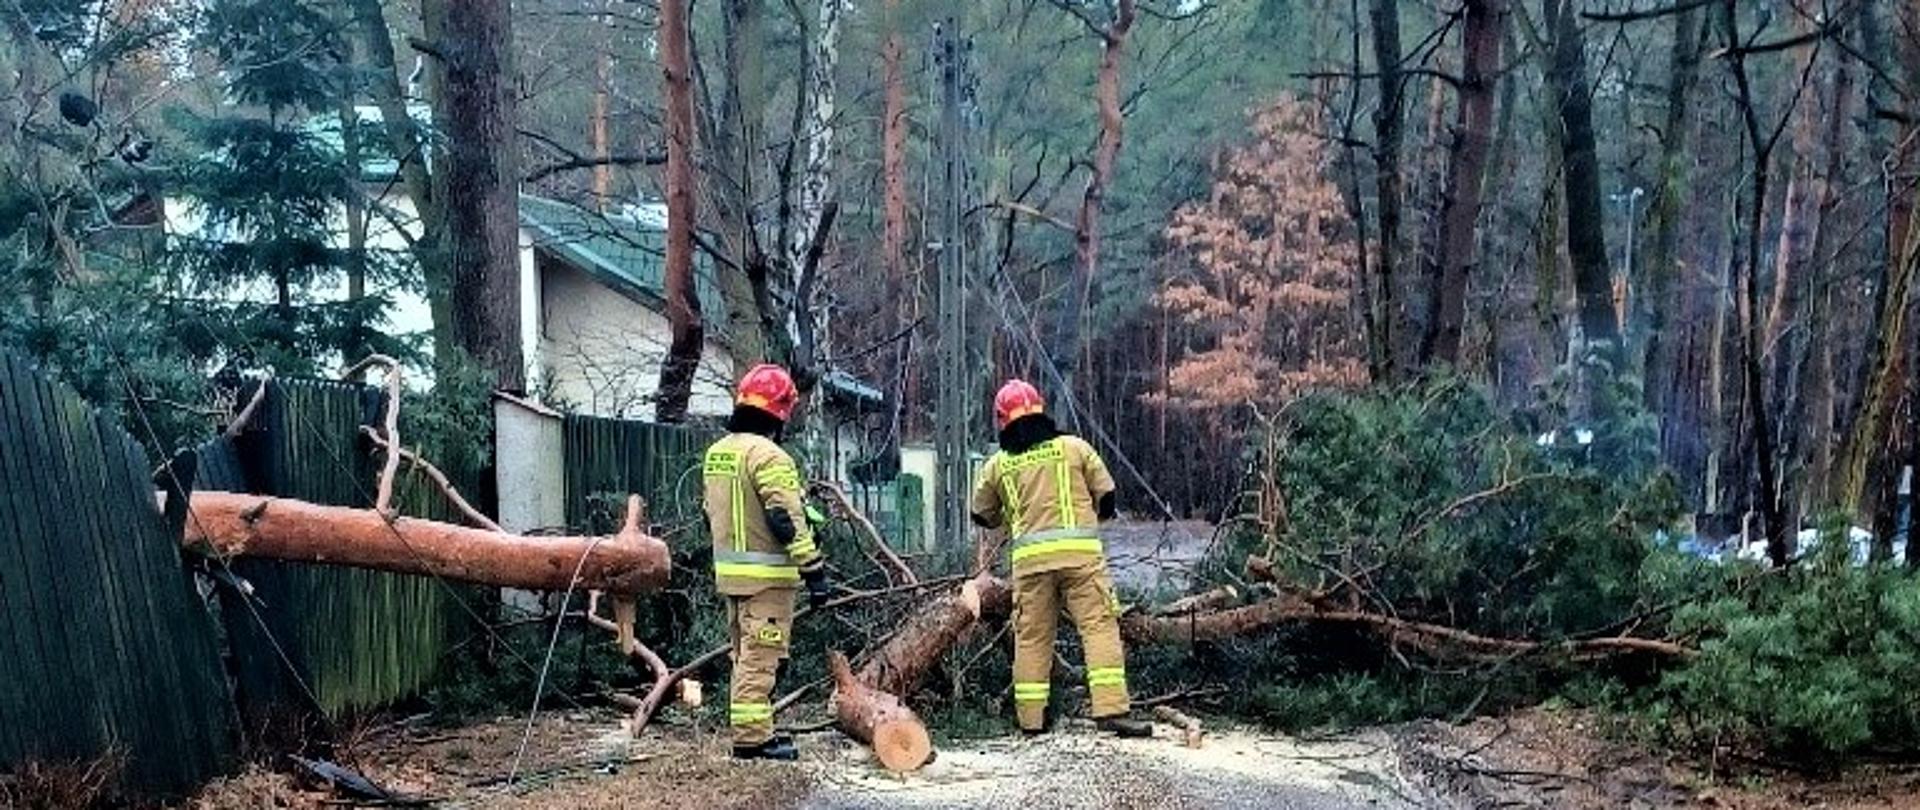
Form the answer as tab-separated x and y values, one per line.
597	129
1814	353
476	113
228	524
1585	207
682	298
1663	267
893	163
1086	237
1869	443
1467	158
1388	125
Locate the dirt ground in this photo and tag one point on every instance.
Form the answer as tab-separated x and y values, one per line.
1533	759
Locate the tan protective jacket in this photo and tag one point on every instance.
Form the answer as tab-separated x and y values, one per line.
746	476
1046	498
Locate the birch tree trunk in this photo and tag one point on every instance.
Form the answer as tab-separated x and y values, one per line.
683	302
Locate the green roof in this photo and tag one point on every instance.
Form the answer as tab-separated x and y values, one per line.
624	251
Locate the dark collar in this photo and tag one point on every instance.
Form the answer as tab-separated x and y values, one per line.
1024	433
748	419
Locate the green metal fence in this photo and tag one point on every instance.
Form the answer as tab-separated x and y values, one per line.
608	458
897	508
105	644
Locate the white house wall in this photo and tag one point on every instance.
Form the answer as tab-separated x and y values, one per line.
600	353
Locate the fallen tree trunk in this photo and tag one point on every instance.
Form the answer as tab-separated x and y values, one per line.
228	524
900	662
898	738
1436	640
1225	596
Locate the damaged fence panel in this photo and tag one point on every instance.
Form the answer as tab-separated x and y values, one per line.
107	651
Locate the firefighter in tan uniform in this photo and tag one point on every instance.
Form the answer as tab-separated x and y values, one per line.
1050	490
763	551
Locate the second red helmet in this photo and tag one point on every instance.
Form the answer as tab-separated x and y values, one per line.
769	388
1016	398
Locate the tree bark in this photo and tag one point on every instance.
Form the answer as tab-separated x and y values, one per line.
1434	640
1388	125
893	163
1467	163
683	302
1758	412
1867	445
899	664
409	150
228	524
1663	309
737	141
1086	237
1814	402
476	111
1585	205
898	738
597	123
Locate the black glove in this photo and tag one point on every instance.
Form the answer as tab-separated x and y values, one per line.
818	591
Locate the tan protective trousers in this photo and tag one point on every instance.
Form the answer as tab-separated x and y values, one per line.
1086	592
759	628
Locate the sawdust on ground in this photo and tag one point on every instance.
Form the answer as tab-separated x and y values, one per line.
1079	768
583	762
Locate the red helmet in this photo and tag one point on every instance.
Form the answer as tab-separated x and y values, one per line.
1017	398
769	388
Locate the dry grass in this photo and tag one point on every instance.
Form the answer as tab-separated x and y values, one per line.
38	785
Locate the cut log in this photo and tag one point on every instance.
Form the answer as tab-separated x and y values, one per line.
899	663
1190	731
896	735
228	524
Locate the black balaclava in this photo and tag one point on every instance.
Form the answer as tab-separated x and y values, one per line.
1020	435
748	419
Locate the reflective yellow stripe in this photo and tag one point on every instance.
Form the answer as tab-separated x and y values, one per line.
779	476
739	516
1030	691
1087	544
1063	485
745	713
1106	676
1016	519
757	571
802	549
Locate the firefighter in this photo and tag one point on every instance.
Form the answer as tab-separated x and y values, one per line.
763	551
1050	490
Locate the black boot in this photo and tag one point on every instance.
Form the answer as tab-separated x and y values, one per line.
1124	726
780	749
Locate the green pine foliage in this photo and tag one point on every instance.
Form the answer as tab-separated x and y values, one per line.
271	185
1817	663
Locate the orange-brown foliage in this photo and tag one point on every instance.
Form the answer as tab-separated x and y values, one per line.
1269	276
